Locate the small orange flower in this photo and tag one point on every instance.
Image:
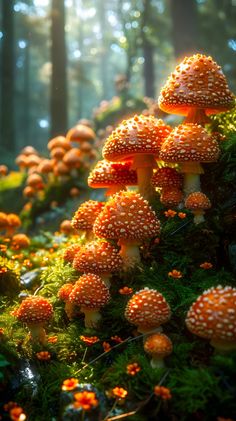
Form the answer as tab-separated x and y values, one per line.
52	339
27	263
119	392
106	346
175	274
126	290
116	339
69	384
43	356
133	369
170	213
17	414
182	215
85	400
89	340
206	265
3	270
162	392
3	248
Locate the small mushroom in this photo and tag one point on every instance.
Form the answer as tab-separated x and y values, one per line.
70	252
63	294
171	197
66	227
3	171
13	223
158	346
20	241
84	217
198	202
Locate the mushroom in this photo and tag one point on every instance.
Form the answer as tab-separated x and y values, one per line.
66	227
127	217
35	181
73	160
29	150
114	176
195	89
167	178
59	142
80	133
46	168
189	145
212	316
33	161
62	171
99	257
35	311
21	162
20	241
74	192
3	171
90	293
57	153
138	139
171	197
198	202
13	222
70	252
85	216
148	310
158	346
29	192
63	294
3	221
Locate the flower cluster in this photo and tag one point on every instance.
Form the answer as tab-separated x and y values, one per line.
162	392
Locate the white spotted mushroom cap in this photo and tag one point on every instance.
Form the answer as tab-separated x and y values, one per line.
99	257
167	177
86	214
197	200
197	82
90	292
147	308
158	344
127	216
138	135
213	315
190	142
34	310
107	174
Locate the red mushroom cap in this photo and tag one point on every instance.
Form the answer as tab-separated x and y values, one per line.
196	82
158	344
97	257
171	197
190	142
35	181
90	292
138	135
127	216
167	177
107	174
86	214
197	200
34	310
70	252
147	308
64	291
13	220
213	314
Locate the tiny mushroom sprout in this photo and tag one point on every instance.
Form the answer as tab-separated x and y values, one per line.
63	294
189	145
138	140
195	89
85	216
158	346
127	217
114	176
148	310
213	316
198	202
91	294
99	257
35	312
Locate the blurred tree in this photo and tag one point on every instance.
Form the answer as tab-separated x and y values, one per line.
58	101
7	77
148	51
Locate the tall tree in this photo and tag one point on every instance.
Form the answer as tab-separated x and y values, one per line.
104	52
184	26
58	102
148	52
7	79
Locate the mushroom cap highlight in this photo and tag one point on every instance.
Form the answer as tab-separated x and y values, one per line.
90	292
190	142
98	257
197	200
107	174
34	310
148	308
158	344
196	82
167	177
127	216
86	215
213	315
138	135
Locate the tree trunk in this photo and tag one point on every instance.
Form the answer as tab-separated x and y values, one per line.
7	79
148	54
184	21
58	103
104	52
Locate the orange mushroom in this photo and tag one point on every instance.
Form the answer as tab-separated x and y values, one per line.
35	181
91	294
29	192
13	223
198	202
70	252
213	316
167	177
3	221
20	241
21	162
158	346
171	197
66	227
80	133
59	142
29	150
63	294
3	170
85	216
57	153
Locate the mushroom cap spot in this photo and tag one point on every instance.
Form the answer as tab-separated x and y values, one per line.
190	142
34	310
199	82
167	177
213	314
197	200
90	292
138	135
158	344
65	291
127	216
148	308
171	197
98	257
86	214
107	174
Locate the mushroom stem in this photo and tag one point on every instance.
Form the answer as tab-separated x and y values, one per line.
198	216
144	164
157	362
115	189
92	317
129	252
197	115
69	309
38	333
191	171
